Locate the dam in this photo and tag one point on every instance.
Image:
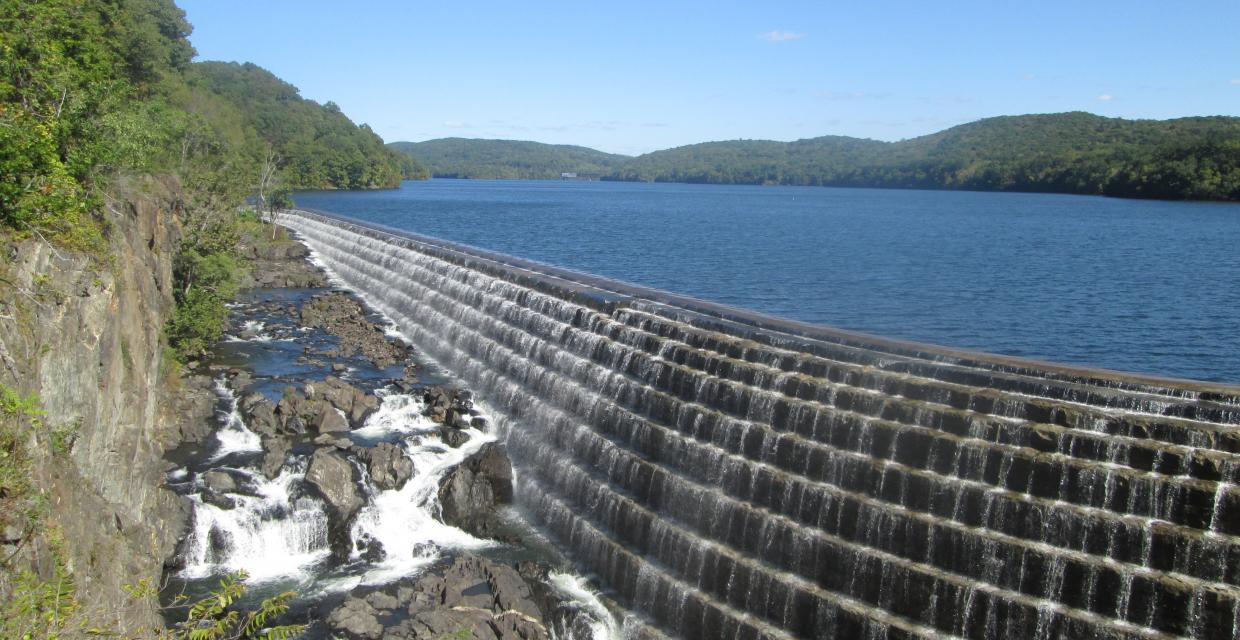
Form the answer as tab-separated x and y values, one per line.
725	474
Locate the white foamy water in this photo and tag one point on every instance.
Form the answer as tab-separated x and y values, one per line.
269	535
576	592
403	520
233	436
398	414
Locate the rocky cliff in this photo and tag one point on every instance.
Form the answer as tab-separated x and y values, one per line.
84	334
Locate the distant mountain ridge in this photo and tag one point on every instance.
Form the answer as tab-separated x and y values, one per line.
509	159
1185	158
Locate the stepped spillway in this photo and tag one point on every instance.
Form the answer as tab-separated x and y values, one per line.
727	474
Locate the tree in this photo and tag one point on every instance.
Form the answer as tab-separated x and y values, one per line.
281	199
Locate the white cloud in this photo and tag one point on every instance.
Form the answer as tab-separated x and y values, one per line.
1106	97
1236	81
454	124
780	36
1029	76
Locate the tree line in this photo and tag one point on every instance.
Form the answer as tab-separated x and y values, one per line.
1080	153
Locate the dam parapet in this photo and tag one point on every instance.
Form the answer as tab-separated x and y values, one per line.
729	474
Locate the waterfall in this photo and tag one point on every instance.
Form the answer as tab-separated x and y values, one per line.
270	534
404	520
233	436
276	531
726	474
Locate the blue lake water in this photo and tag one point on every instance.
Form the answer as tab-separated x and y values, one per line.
1142	286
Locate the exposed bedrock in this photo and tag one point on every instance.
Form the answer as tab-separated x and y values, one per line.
472	598
280	263
733	475
344	317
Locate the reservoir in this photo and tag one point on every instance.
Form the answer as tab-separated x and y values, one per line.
1142	286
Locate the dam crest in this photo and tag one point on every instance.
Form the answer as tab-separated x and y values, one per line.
726	474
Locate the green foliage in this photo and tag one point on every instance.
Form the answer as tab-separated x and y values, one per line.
281	198
18	415
63	436
41	608
507	159
89	90
205	284
36	607
1063	153
319	147
215	617
69	75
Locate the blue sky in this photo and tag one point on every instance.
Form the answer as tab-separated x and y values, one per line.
632	77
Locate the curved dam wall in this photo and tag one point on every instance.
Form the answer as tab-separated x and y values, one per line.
731	475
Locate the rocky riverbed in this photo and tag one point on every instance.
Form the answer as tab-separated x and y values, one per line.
323	456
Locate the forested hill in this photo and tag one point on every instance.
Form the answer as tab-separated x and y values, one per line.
508	159
1187	158
97	94
317	146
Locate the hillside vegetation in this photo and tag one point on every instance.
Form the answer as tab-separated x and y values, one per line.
94	91
318	146
507	159
1186	158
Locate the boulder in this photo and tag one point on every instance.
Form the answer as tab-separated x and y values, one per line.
356	404
488	599
363	406
356	618
259	414
453	437
329	419
470	492
382	601
331	476
388	465
292	412
275	450
194	407
218	500
219	481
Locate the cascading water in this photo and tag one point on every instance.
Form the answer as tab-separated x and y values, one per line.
403	520
269	535
278	530
730	475
233	437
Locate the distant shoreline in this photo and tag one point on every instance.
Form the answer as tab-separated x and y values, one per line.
1070	153
765	186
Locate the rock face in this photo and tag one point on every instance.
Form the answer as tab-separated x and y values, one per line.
473	598
388	465
470	492
343	316
332	477
194	407
101	376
